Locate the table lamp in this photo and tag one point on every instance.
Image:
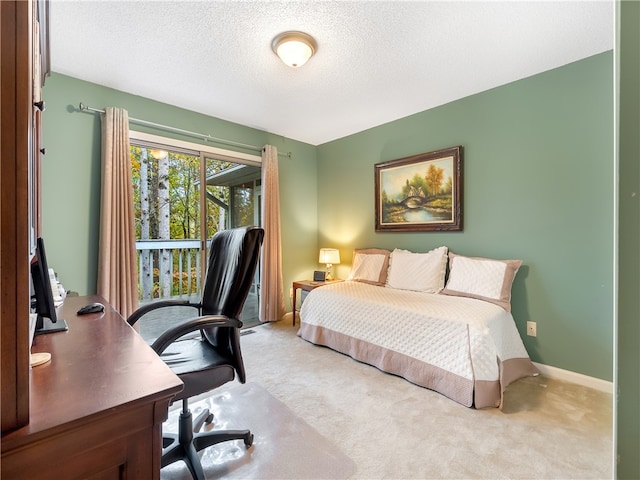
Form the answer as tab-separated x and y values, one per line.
330	257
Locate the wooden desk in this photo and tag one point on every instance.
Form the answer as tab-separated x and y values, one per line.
307	286
96	409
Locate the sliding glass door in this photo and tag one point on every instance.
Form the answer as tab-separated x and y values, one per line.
234	198
175	217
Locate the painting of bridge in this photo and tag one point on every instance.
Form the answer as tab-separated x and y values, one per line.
420	193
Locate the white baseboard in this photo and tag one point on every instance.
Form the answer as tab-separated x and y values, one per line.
573	377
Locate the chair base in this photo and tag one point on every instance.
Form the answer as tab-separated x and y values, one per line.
188	442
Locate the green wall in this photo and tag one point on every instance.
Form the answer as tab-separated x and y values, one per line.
538	186
628	334
71	175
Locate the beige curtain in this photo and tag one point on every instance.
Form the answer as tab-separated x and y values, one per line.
117	274
271	298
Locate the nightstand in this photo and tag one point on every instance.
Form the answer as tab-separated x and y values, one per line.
307	286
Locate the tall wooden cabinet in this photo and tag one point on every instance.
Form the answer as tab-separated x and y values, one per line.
96	409
20	86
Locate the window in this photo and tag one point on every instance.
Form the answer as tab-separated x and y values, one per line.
174	216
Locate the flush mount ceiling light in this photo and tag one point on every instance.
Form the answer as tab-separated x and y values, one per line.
294	48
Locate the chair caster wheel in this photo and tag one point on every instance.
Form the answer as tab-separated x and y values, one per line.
248	440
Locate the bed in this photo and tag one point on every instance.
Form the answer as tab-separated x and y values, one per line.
452	341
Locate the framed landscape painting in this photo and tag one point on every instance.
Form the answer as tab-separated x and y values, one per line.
421	193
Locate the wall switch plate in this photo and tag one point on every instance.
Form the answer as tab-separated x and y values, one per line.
532	329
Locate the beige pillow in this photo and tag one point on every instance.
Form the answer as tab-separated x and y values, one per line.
482	278
420	272
370	265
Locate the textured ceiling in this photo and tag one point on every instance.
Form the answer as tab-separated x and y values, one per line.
376	61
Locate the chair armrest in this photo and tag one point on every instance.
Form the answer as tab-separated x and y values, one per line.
135	316
171	335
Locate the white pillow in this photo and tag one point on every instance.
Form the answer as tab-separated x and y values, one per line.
370	266
482	278
421	272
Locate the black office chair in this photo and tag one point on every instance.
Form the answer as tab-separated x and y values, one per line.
210	360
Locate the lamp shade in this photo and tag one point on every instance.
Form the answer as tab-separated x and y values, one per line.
329	255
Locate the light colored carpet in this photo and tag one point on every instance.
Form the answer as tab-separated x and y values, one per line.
284	446
392	429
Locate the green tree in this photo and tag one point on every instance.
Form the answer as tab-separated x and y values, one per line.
184	173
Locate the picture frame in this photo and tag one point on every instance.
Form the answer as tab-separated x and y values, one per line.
420	193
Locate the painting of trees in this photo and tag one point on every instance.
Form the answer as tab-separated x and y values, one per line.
420	193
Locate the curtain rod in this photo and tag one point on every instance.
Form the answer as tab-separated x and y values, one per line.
203	136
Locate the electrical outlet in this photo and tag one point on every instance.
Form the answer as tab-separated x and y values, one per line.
532	329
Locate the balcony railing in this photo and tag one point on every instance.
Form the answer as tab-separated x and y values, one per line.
171	269
168	268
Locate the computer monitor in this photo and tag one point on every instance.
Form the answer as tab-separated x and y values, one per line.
48	321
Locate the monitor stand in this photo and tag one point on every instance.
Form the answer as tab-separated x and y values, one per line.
49	327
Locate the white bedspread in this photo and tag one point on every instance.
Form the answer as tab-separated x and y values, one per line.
470	339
